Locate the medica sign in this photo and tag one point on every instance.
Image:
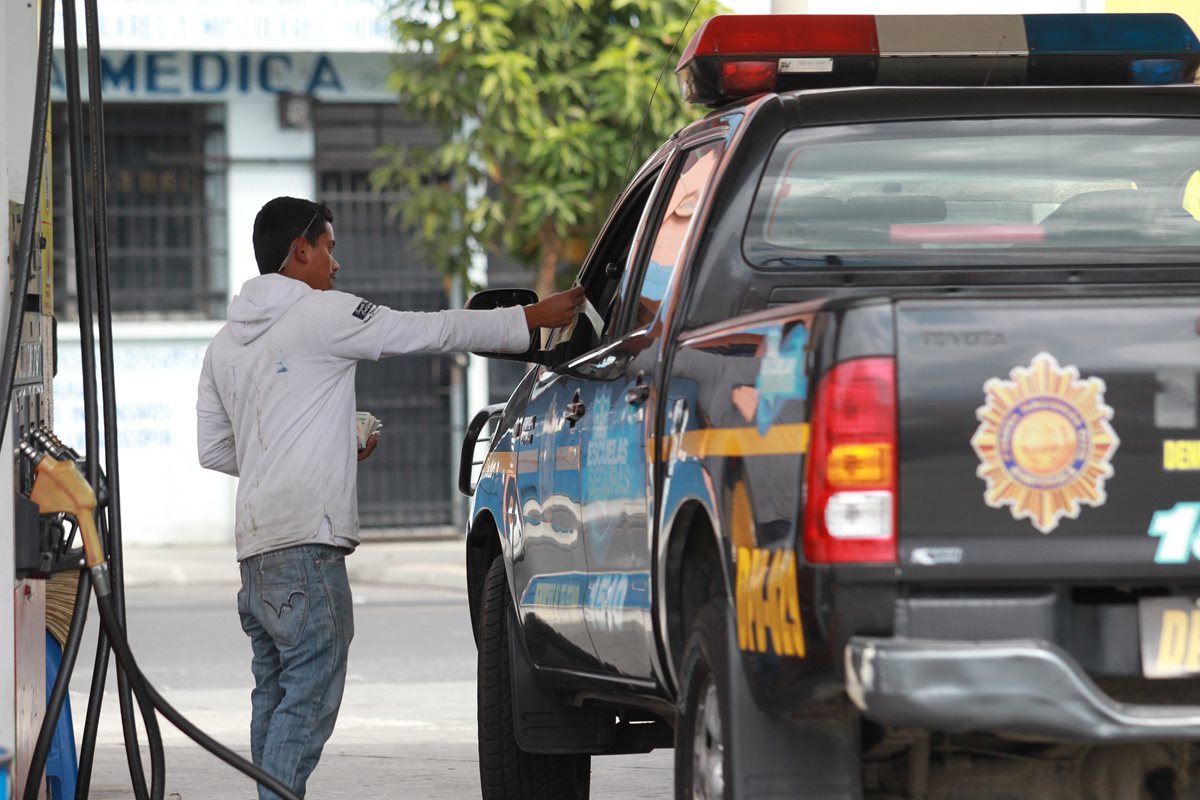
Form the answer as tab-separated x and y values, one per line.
205	76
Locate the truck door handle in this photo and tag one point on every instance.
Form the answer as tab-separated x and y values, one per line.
636	395
575	410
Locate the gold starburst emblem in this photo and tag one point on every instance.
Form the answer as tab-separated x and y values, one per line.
1044	442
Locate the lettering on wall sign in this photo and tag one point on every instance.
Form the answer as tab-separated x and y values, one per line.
205	75
768	602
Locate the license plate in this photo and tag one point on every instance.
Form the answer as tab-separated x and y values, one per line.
1170	634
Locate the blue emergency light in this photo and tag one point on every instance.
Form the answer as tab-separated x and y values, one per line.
734	56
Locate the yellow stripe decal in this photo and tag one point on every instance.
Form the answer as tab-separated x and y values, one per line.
497	464
781	440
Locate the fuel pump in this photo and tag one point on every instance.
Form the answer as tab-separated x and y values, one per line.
59	494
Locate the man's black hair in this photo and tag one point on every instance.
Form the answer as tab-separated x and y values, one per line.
279	222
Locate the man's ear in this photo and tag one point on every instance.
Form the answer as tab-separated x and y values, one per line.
300	251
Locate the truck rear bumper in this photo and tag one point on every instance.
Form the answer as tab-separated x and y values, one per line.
1019	686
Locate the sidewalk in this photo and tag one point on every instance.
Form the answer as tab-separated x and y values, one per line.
428	564
407	723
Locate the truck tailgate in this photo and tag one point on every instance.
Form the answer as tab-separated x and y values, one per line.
1049	439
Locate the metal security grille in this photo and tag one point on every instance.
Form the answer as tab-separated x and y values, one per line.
166	211
408	481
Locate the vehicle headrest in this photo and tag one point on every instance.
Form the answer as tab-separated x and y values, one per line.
1103	204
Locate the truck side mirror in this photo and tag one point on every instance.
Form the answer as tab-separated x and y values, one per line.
505	298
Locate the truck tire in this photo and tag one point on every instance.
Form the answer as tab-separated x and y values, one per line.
702	732
725	745
506	772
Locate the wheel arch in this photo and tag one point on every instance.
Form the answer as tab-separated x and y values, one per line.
695	569
483	546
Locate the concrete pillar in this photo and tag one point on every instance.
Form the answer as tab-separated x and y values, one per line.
22	604
8	702
257	173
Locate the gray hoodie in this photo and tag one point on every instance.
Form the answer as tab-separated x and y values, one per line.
276	400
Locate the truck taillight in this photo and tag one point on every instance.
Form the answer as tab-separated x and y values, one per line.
850	513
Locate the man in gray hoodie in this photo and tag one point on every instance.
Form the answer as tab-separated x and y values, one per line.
276	409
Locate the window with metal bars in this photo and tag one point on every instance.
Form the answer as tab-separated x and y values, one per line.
167	199
408	481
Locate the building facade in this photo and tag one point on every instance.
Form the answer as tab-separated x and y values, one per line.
211	109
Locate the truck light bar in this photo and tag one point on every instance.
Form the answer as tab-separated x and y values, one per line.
734	56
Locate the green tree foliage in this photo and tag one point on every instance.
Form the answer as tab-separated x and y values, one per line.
539	100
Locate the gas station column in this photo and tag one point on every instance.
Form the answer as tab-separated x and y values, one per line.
18	65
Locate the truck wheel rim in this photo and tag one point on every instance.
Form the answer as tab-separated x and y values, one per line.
708	748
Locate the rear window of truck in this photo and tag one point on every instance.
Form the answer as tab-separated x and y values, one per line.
970	193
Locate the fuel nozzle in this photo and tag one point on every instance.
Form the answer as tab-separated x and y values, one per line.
60	488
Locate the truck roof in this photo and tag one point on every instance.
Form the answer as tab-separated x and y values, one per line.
848	105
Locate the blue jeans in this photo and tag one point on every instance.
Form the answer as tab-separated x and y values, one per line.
296	607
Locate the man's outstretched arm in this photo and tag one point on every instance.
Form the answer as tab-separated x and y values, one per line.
359	329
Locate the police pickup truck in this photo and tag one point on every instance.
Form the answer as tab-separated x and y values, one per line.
872	468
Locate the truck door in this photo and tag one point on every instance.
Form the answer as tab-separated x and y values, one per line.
551	582
617	424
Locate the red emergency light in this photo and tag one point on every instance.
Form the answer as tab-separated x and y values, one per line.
735	56
783	35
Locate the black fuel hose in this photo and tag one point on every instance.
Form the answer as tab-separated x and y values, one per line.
114	541
108	385
58	694
125	656
91	727
85	278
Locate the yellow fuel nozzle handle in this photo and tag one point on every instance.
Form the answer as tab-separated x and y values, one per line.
60	488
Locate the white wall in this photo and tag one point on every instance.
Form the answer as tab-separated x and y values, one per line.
166	497
265	162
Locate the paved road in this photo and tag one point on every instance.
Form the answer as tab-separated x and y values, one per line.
407	726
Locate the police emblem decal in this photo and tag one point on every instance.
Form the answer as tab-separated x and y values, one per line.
1044	442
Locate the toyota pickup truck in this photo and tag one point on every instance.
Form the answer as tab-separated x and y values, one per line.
872	467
